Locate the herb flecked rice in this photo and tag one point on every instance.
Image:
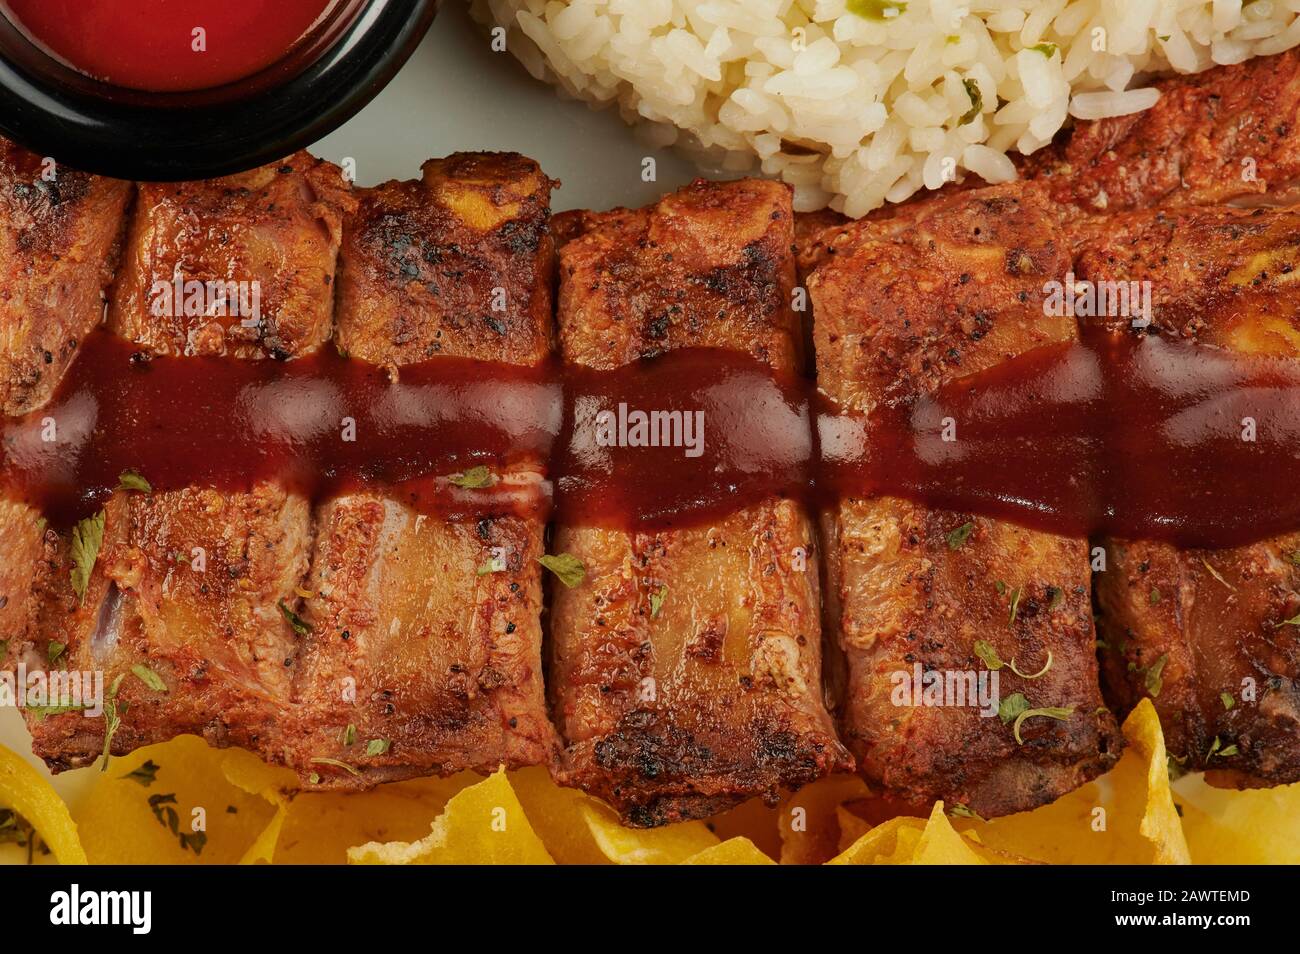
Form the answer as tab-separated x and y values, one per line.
859	102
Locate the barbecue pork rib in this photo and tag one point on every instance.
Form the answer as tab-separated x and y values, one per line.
897	313
60	234
410	642
717	697
1209	635
192	585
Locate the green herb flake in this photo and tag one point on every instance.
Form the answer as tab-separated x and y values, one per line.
1154	680
54	651
474	478
321	760
957	538
300	626
149	678
1047	49
657	601
988	655
111	719
878	10
1000	587
377	746
1009	709
962	811
1293	621
976	102
568	568
1060	713
1227	699
1015	606
350	735
490	566
87	538
1154	597
131	480
163	808
1038	675
145	775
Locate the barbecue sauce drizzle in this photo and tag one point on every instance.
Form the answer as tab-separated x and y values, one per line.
1118	434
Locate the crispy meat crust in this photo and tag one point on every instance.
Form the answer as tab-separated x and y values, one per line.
278	226
681	713
959	291
1227	134
58	246
1202	632
410	643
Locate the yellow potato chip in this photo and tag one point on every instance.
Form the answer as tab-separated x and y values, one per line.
890	843
733	851
1253	827
753	820
556	815
645	846
23	790
941	845
170	804
852	827
1127	818
810	828
482	824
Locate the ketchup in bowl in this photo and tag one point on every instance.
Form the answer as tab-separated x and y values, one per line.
189	89
169	45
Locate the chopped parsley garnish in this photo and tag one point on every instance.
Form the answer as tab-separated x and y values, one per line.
1038	675
111	718
163	810
1154	681
377	746
145	774
976	102
989	655
474	478
1009	709
878	10
1227	699
149	678
54	651
300	626
130	480
1047	49
1060	713
1015	606
565	566
349	735
87	538
657	601
957	538
321	760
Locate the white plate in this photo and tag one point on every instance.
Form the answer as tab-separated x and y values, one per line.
456	94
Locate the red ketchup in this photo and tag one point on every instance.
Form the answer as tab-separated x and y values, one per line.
169	45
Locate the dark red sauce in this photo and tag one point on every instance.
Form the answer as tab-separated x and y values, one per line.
1118	434
153	45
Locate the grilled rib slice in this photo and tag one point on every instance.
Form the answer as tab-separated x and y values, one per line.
717	697
59	238
957	293
58	245
1229	134
194	584
410	643
1202	632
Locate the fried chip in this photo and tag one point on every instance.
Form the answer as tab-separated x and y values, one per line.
941	845
645	846
809	822
1127	818
556	815
733	851
754	820
24	790
890	843
482	824
1259	826
170	804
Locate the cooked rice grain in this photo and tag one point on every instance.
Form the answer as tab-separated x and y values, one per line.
859	102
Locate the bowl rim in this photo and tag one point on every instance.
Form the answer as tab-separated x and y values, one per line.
169	137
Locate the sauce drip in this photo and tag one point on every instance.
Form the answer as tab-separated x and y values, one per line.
1117	434
152	45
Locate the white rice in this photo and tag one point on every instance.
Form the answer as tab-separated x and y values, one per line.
859	102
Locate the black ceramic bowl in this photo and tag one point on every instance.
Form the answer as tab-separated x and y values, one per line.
56	111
